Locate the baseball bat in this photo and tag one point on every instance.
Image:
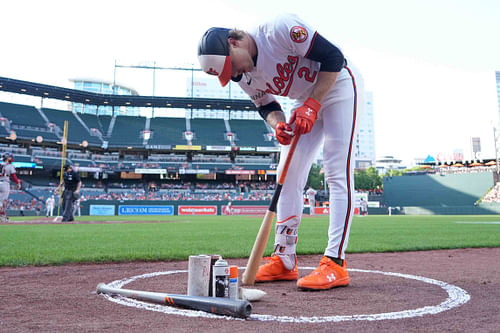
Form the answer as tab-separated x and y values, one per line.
260	244
217	305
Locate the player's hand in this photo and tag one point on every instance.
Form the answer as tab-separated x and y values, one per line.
305	116
284	133
19	185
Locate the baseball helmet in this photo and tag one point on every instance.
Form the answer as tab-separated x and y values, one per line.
67	166
5	156
213	54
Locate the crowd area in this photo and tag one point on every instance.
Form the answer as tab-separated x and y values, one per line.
168	191
493	195
180	196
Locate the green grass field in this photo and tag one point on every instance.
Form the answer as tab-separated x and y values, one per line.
230	236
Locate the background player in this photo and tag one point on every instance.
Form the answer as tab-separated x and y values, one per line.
311	197
7	173
50	203
288	57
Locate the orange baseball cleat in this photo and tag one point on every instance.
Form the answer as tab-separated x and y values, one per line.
274	270
326	276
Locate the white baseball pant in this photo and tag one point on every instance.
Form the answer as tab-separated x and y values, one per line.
335	128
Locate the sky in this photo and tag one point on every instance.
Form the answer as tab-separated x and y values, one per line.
430	64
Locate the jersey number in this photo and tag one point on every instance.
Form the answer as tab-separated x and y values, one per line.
304	73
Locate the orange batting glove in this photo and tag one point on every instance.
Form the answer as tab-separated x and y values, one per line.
284	133
305	116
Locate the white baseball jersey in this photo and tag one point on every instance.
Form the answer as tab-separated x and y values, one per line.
7	170
311	194
281	67
50	202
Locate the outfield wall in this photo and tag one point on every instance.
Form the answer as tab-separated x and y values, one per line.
166	208
450	190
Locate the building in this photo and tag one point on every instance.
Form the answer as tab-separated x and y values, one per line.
103	87
387	163
365	140
497	74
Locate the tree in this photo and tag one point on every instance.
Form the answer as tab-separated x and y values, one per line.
315	179
394	172
367	179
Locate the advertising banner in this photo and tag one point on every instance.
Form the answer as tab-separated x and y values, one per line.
146	210
102	210
244	210
240	172
326	210
150	171
197	210
322	210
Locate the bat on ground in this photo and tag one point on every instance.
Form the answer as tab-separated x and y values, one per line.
217	305
260	244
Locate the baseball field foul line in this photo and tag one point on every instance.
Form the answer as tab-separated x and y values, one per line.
456	297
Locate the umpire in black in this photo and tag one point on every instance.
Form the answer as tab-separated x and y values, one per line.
72	183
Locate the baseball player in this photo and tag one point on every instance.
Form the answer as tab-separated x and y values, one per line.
50	203
72	183
363	207
7	173
311	197
288	57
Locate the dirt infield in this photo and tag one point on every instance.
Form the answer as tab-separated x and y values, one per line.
62	298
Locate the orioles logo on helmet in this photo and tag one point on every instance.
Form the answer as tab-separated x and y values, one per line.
298	34
212	71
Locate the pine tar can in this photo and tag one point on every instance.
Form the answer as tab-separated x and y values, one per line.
220	281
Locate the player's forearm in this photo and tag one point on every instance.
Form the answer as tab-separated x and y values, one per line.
78	186
326	81
14	178
275	117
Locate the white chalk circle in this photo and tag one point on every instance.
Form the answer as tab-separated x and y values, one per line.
456	297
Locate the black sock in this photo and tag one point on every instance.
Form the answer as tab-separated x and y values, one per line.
338	261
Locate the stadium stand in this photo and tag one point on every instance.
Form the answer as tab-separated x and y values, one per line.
167	131
3	132
104	122
436	190
250	132
493	195
22	114
22	158
255	162
209	132
26	122
76	132
32	133
127	132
